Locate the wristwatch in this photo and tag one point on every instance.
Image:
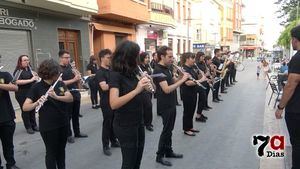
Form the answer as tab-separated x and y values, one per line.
280	108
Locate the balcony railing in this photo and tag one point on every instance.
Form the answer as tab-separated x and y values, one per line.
161	8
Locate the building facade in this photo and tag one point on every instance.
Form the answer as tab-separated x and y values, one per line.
40	29
115	23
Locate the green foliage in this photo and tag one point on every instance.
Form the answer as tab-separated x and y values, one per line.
284	39
287	10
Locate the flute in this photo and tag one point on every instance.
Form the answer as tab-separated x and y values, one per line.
37	108
190	78
34	73
151	85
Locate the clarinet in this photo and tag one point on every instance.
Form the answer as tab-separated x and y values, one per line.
37	108
202	73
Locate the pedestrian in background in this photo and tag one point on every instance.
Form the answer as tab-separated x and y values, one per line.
258	70
91	70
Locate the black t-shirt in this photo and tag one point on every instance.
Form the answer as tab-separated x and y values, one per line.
201	66
67	75
132	112
102	75
25	75
293	105
53	114
146	68
93	68
216	61
189	90
7	112
164	101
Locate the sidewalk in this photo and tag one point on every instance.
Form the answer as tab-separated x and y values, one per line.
272	126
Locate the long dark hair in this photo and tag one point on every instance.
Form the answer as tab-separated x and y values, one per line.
19	63
124	59
142	57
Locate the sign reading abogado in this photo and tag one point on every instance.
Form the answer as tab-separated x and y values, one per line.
7	20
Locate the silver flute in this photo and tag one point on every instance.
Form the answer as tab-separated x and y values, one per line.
181	70
34	73
37	108
142	74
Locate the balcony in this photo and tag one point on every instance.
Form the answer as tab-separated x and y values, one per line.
130	11
162	14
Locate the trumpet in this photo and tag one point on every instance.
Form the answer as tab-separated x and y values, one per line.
76	72
190	78
37	108
16	76
145	74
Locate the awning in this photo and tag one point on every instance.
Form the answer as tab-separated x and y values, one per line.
113	28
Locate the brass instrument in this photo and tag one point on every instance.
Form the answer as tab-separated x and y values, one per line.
145	74
16	76
190	78
224	69
76	72
37	108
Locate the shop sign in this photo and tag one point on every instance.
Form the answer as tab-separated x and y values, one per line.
7	20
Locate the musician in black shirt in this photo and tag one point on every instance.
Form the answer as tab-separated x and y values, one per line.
102	80
189	93
7	123
53	116
126	99
71	80
216	61
147	103
166	103
24	82
91	69
290	99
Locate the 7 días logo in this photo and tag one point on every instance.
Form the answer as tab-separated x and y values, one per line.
276	145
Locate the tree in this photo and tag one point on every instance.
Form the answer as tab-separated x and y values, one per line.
284	39
287	10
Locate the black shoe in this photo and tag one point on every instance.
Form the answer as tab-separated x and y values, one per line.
219	99
215	100
30	131
36	128
71	139
106	151
80	115
223	92
201	119
208	107
150	128
178	104
235	81
163	161
204	117
174	155
97	106
80	135
115	144
13	167
93	107
189	134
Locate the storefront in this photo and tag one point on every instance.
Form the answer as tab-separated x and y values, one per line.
40	34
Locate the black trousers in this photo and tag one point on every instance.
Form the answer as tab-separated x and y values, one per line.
74	109
207	93
55	143
292	122
147	107
132	141
202	100
94	91
224	81
234	74
231	76
227	78
7	130
189	106
165	140
108	134
216	90
28	117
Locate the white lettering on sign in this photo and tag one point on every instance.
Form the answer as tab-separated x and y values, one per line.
3	12
5	19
